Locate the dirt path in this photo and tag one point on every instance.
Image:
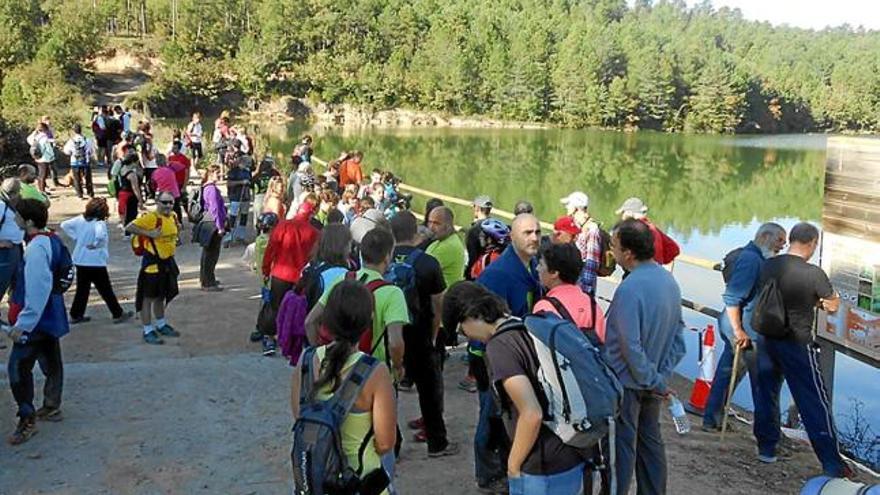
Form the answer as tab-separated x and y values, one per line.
117	77
206	413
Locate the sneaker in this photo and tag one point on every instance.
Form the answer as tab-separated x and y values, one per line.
52	414
416	424
420	437
495	487
168	331
451	448
256	336
212	288
469	384
767	459
268	346
153	338
405	385
27	427
81	319
123	317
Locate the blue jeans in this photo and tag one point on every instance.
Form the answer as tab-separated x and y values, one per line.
490	463
639	445
721	383
798	364
565	483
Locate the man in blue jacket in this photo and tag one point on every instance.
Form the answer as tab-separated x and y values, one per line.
513	277
39	327
643	343
735	322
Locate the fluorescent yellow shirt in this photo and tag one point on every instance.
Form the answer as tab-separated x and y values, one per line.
166	243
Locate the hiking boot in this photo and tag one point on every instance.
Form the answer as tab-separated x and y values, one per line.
168	331
51	414
416	424
495	487
268	346
81	319
469	384
451	448
153	338
405	385
27	427
125	316
256	336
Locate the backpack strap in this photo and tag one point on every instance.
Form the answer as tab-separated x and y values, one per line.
373	286
563	311
308	373
347	393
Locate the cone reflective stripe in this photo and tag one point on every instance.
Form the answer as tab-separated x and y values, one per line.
703	383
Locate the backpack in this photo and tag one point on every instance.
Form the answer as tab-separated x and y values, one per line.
79	150
139	242
402	273
728	264
365	344
579	393
319	462
491	254
311	283
607	263
769	317
290	325
195	208
63	269
589	332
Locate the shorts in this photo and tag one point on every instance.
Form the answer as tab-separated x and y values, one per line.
196	150
154	285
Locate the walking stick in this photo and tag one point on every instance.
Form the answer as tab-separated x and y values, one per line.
730	390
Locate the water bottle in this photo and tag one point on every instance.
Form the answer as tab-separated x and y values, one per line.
679	416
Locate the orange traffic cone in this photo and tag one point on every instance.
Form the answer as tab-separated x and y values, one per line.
703	383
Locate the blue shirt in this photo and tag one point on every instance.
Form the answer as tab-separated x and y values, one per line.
742	288
508	278
644	338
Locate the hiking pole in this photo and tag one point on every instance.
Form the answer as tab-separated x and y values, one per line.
730	390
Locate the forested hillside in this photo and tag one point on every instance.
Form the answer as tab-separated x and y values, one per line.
580	63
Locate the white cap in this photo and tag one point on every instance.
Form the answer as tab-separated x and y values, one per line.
576	199
633	205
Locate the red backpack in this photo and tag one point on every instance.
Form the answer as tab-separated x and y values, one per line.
484	260
139	242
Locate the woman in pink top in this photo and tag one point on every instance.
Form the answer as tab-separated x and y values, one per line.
165	180
559	267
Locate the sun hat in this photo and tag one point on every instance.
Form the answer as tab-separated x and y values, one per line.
633	205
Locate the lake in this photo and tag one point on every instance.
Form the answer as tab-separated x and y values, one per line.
709	192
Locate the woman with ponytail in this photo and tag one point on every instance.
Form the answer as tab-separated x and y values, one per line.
349	312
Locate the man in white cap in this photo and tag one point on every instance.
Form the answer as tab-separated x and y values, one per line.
588	241
473	241
665	248
367	221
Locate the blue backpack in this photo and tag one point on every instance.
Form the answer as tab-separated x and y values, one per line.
578	392
319	463
402	273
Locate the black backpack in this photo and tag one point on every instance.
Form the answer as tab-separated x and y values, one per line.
769	317
607	263
195	209
728	264
311	283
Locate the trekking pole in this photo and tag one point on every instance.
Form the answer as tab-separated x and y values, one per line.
730	390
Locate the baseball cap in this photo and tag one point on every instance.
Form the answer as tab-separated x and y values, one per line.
632	205
483	202
576	199
566	224
366	222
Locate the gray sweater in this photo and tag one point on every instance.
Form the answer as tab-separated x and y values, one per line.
643	337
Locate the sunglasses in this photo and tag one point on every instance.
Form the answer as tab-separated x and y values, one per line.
165	202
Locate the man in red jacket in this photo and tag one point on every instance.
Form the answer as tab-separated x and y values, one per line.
665	248
289	250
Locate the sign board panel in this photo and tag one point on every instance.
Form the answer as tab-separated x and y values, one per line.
851	244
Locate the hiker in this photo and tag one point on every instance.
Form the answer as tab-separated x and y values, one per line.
474	240
129	198
642	346
447	247
665	248
424	298
193	135
124	118
559	267
735	322
304	148
539	462
81	151
523	206
587	240
11	234
181	165
365	222
299	182
331	262
112	136
37	330
146	152
238	186
328	201
43	152
291	245
350	171
164	179
27	176
275	200
262	179
369	430
332	176
804	287
90	256
210	229
390	309
514	278
157	279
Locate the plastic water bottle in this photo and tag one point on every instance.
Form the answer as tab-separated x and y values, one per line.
679	416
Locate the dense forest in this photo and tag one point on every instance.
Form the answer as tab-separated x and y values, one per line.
579	63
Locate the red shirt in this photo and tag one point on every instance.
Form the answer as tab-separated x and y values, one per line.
180	163
665	248
289	249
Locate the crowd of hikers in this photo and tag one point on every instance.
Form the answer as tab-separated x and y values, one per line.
365	299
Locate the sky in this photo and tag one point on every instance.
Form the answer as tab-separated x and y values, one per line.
810	14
